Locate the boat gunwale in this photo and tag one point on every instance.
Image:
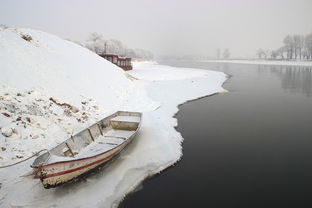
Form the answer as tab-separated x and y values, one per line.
78	168
88	157
46	165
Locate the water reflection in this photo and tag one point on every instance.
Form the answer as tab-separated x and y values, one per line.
247	148
293	78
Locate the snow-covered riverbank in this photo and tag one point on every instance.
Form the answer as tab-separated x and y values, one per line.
70	87
265	62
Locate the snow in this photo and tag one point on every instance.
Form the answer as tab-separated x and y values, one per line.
59	68
151	71
52	88
119	133
36	122
101	144
265	62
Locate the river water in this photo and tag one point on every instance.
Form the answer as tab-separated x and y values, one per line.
249	148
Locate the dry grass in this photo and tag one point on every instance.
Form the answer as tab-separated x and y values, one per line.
27	37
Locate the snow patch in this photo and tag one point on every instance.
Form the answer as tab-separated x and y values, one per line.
152	71
31	121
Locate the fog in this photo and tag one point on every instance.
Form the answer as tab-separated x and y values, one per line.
168	27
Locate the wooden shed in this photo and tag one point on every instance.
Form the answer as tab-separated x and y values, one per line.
121	61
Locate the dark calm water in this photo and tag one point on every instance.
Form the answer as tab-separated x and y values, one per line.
249	148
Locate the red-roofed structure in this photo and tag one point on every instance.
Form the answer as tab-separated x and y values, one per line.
121	61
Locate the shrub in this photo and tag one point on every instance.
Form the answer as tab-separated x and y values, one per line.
27	37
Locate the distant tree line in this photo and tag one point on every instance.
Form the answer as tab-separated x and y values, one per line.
98	44
296	47
225	55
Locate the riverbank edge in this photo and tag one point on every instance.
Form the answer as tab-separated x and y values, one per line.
172	165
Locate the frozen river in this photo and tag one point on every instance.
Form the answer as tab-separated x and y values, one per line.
251	147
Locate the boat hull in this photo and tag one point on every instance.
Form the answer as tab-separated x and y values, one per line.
87	150
56	174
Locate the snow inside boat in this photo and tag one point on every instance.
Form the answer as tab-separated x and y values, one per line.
87	150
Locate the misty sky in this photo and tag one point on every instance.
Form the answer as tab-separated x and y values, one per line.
168	27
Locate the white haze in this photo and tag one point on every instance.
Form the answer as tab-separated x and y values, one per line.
168	27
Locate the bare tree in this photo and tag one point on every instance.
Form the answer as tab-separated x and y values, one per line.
301	45
95	42
308	46
266	53
298	44
281	51
260	53
274	54
116	46
94	37
289	45
226	53
218	53
295	47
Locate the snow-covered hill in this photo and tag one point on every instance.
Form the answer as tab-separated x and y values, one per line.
49	89
33	59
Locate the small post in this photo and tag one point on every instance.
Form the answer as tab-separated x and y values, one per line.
100	129
90	134
71	151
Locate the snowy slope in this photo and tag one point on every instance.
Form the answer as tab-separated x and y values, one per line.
59	68
49	89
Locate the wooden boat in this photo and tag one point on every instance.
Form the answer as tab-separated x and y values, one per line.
87	150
